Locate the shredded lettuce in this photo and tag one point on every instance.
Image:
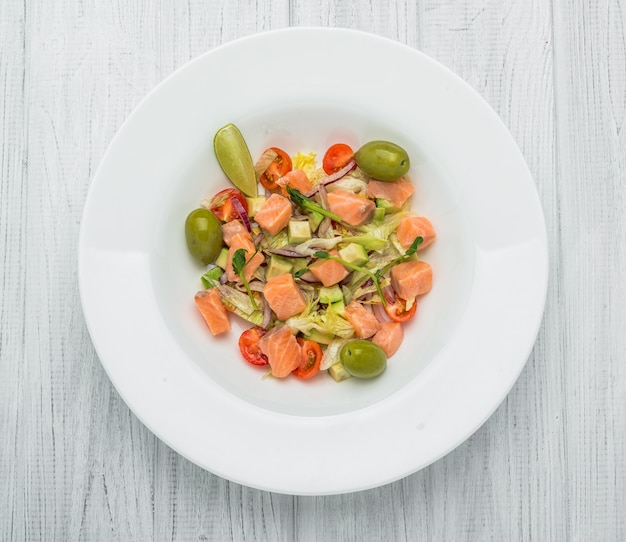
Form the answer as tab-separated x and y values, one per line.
279	240
331	356
239	303
348	183
327	321
306	248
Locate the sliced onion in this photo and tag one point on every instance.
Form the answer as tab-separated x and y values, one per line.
224	278
324	226
389	293
308	277
333	177
256	285
242	212
323	193
267	315
264	162
289	253
380	313
258	239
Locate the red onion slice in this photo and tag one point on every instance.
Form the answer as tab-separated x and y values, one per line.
380	313
286	252
267	315
389	293
242	212
333	177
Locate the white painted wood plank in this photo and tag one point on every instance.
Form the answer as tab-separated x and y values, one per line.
590	78
13	158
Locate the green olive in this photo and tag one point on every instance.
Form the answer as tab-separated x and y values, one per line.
383	160
363	359
203	233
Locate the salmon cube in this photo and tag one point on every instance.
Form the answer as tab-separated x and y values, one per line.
365	324
397	192
232	228
210	305
284	296
297	179
253	260
329	272
352	208
282	350
410	279
415	226
389	337
275	213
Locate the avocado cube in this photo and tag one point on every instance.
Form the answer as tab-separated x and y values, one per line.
330	294
278	265
315	220
338	372
354	254
298	263
254	204
222	258
299	231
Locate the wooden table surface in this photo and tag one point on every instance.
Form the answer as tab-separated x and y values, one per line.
75	463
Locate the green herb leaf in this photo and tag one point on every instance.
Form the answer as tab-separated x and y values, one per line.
410	251
308	204
239	262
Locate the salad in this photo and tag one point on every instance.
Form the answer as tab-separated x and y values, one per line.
323	263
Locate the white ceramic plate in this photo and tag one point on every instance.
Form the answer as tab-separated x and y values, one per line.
462	353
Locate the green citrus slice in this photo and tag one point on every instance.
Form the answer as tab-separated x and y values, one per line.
235	160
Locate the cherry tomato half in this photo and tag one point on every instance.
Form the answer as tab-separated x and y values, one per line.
397	310
279	167
336	157
222	206
249	346
310	359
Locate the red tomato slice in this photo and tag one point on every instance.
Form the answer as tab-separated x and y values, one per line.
222	206
279	167
310	359
249	346
397	310
337	157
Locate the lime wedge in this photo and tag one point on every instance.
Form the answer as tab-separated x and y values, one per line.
234	157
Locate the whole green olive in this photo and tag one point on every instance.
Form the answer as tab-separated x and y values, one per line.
363	359
383	160
203	233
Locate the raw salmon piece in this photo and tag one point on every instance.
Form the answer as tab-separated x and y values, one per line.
212	309
284	296
410	279
353	209
275	213
397	192
415	226
296	178
238	241
389	337
365	324
232	228
329	272
282	350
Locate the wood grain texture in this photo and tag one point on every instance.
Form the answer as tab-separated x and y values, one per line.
76	464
